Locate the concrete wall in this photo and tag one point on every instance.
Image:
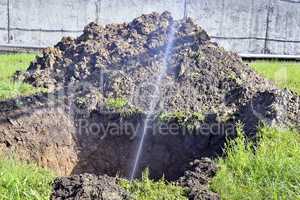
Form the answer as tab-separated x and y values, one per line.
245	26
3	22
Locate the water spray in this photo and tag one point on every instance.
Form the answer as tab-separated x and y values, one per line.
156	96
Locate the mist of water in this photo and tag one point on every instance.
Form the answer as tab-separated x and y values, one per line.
155	98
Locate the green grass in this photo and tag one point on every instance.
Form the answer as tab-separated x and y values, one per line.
117	103
188	120
179	116
146	189
9	64
19	181
272	172
284	74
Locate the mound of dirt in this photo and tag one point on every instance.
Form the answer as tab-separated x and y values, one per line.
124	61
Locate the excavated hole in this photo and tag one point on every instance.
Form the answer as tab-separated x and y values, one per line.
104	142
108	145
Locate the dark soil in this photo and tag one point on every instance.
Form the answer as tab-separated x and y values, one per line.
88	187
205	92
197	180
124	60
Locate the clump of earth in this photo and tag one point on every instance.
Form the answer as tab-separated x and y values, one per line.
86	186
100	87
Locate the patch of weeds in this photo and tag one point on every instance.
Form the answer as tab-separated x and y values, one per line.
116	103
187	120
146	189
19	181
178	116
267	170
122	106
9	89
284	74
9	64
198	116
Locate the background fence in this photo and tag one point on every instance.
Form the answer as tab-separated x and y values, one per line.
245	26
